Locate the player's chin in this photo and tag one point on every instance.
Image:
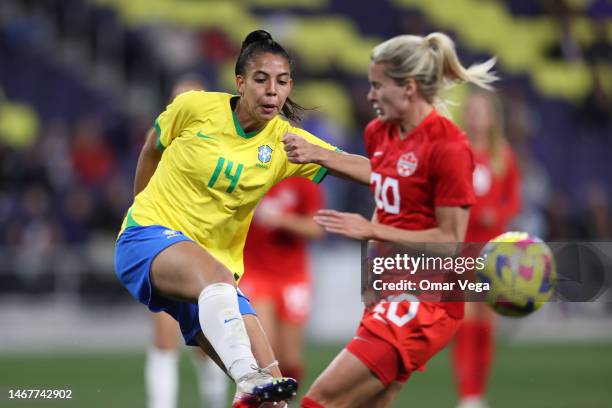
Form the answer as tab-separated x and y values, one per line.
387	118
381	116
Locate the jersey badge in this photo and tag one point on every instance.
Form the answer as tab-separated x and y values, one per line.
264	153
407	164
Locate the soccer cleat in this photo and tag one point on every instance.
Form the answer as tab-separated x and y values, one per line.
259	386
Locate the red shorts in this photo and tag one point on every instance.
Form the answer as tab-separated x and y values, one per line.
394	341
292	298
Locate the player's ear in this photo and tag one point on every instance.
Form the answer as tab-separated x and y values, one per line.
240	84
410	87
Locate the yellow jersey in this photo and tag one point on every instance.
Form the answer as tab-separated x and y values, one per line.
212	174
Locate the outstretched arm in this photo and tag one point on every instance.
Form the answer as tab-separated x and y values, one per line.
452	224
149	157
350	166
298	224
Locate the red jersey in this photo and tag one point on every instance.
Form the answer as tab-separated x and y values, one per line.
431	167
277	253
497	197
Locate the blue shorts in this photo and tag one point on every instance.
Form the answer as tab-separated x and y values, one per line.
135	251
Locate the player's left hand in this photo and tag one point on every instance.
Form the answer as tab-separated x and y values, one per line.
347	224
299	150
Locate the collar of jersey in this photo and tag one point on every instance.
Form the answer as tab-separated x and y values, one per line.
430	116
241	131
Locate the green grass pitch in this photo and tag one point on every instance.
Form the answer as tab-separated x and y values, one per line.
541	376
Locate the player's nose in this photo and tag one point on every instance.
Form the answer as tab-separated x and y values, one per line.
271	89
371	94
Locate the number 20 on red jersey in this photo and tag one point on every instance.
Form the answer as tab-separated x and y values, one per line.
387	310
382	187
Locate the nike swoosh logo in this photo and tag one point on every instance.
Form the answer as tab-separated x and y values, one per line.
203	136
229	320
377	154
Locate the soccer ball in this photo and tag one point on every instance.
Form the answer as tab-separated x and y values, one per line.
521	273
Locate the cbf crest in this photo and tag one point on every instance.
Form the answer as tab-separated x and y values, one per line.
407	164
264	153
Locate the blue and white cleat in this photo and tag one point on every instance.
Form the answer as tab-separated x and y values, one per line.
259	387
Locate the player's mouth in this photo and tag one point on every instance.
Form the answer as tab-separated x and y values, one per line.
378	110
269	109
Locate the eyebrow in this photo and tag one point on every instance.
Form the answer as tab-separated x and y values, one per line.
265	73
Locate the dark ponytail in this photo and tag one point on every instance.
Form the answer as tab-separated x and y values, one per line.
261	41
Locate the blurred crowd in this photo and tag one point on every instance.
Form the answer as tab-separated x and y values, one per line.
68	179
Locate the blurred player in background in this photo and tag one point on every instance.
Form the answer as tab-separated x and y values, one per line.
201	172
277	276
420	172
161	367
497	190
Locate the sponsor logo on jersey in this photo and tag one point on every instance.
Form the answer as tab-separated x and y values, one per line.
264	153
407	164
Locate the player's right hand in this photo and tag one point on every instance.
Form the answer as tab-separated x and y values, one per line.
298	150
350	225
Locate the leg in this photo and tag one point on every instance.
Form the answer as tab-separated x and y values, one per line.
212	380
346	382
266	315
261	346
161	366
284	388
167	271
183	270
291	337
473	353
384	398
294	309
186	272
165	332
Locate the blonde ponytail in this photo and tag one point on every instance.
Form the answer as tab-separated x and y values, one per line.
432	62
450	68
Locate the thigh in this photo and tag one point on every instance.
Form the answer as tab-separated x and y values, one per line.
295	299
346	382
165	332
183	270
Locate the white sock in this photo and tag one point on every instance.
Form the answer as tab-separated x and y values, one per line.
224	328
474	401
161	378
213	383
